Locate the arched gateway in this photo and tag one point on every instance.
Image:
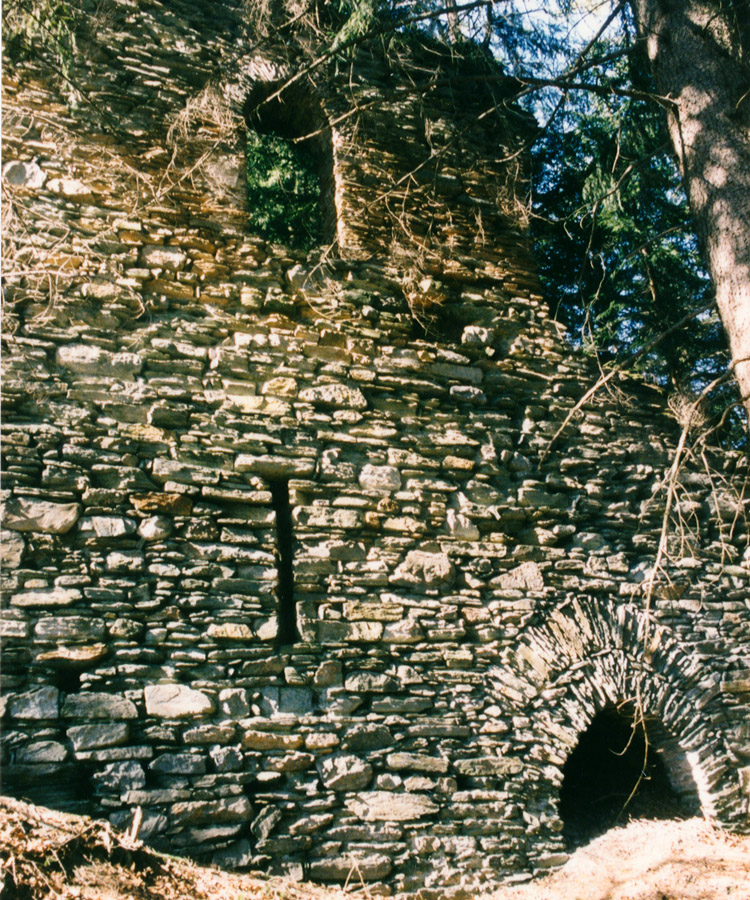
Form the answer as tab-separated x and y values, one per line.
619	712
291	563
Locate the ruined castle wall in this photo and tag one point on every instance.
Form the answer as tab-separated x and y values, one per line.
468	589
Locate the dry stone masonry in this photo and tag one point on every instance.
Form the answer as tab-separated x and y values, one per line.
295	570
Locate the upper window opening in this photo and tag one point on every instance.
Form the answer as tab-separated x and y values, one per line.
289	168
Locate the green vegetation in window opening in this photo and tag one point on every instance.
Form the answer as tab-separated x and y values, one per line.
283	191
41	28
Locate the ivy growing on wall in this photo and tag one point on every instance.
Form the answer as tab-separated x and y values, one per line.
283	191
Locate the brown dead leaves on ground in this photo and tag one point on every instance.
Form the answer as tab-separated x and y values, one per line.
48	855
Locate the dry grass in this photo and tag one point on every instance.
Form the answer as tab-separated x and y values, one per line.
46	854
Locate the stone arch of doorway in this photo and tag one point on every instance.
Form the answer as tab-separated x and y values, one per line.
590	656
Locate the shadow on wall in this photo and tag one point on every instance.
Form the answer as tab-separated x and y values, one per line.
622	770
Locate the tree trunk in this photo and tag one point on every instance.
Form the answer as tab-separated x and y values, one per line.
700	58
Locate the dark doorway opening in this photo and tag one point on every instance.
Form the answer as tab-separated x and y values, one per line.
287	632
616	772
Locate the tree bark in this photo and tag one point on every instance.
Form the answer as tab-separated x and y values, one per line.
700	58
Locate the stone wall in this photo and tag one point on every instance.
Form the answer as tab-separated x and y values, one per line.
195	421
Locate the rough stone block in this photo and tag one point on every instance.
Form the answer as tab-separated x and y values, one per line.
230	631
88	737
125	561
155	528
364	866
98	706
367	737
418	762
210	734
178	764
334	396
13	628
270	740
43	516
375	682
340	632
488	765
108	527
383	479
12	548
265	822
26	174
86	359
119	777
345	773
407	631
157	256
234	702
166	470
76	629
420	568
328	673
273	467
210	812
386	806
238	855
176	701
226	759
170	504
46	599
42	752
526	577
460	526
76	657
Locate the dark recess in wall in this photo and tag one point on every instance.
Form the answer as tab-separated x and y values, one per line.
287	609
604	770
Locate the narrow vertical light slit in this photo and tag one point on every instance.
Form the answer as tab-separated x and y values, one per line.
287	609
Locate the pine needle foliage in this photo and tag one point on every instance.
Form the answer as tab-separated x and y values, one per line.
283	191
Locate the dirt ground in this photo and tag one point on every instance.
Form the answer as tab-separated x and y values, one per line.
47	854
